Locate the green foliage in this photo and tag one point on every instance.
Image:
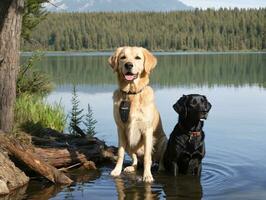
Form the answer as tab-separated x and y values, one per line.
33	14
32	81
76	118
212	30
90	122
33	112
76	113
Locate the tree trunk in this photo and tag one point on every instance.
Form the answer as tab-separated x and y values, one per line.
10	29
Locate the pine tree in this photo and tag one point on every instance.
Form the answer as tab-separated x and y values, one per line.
76	113
90	123
33	14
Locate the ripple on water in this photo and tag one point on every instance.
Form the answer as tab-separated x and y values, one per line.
215	176
225	172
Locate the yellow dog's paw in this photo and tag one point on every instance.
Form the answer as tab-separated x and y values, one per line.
130	169
147	178
115	172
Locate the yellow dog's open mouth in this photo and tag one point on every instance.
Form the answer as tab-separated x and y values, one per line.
130	76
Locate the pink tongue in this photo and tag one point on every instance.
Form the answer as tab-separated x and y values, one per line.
129	77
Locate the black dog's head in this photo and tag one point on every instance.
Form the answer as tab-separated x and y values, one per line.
193	106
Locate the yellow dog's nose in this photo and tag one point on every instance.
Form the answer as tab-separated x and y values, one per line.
129	66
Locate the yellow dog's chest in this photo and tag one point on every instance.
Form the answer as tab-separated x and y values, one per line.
137	110
138	122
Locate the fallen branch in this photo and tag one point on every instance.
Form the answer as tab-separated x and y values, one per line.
65	169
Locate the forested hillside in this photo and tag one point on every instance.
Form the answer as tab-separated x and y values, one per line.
212	30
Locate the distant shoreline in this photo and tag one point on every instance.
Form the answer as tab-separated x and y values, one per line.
109	52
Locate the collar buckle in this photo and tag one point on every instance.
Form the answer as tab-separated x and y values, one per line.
193	135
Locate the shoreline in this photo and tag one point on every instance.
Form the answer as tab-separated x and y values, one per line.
158	53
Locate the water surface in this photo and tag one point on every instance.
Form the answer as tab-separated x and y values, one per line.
235	163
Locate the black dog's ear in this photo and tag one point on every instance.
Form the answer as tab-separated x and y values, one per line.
180	105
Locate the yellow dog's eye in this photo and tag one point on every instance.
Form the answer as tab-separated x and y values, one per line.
138	58
123	57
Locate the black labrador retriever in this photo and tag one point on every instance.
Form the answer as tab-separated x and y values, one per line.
186	148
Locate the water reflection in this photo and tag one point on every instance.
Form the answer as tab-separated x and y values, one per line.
198	69
165	186
127	186
130	189
181	187
42	190
16	195
39	191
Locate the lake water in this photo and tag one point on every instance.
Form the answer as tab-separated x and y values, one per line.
235	163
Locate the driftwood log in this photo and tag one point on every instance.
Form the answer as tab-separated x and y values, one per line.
63	150
25	155
48	151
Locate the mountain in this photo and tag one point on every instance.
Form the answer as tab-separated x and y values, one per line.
115	5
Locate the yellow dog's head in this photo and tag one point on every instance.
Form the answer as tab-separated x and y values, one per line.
132	63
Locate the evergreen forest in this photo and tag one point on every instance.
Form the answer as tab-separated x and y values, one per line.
196	30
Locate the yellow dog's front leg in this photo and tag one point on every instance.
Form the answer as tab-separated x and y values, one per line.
133	167
148	143
121	154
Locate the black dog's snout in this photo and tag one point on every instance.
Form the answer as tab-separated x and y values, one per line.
207	106
129	65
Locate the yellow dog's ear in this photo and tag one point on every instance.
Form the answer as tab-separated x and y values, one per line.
113	60
150	61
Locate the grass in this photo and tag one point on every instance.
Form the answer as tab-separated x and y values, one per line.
33	113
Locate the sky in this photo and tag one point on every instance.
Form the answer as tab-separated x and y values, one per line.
225	3
209	3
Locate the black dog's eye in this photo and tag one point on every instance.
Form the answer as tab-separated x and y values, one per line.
194	102
123	57
138	58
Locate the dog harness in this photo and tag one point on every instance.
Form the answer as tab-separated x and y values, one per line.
192	142
197	149
124	107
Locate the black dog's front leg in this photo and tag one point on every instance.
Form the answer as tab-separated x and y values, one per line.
194	167
174	168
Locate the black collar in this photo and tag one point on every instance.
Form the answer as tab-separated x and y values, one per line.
132	93
192	133
194	137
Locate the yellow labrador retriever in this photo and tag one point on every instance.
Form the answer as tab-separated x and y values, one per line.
139	126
